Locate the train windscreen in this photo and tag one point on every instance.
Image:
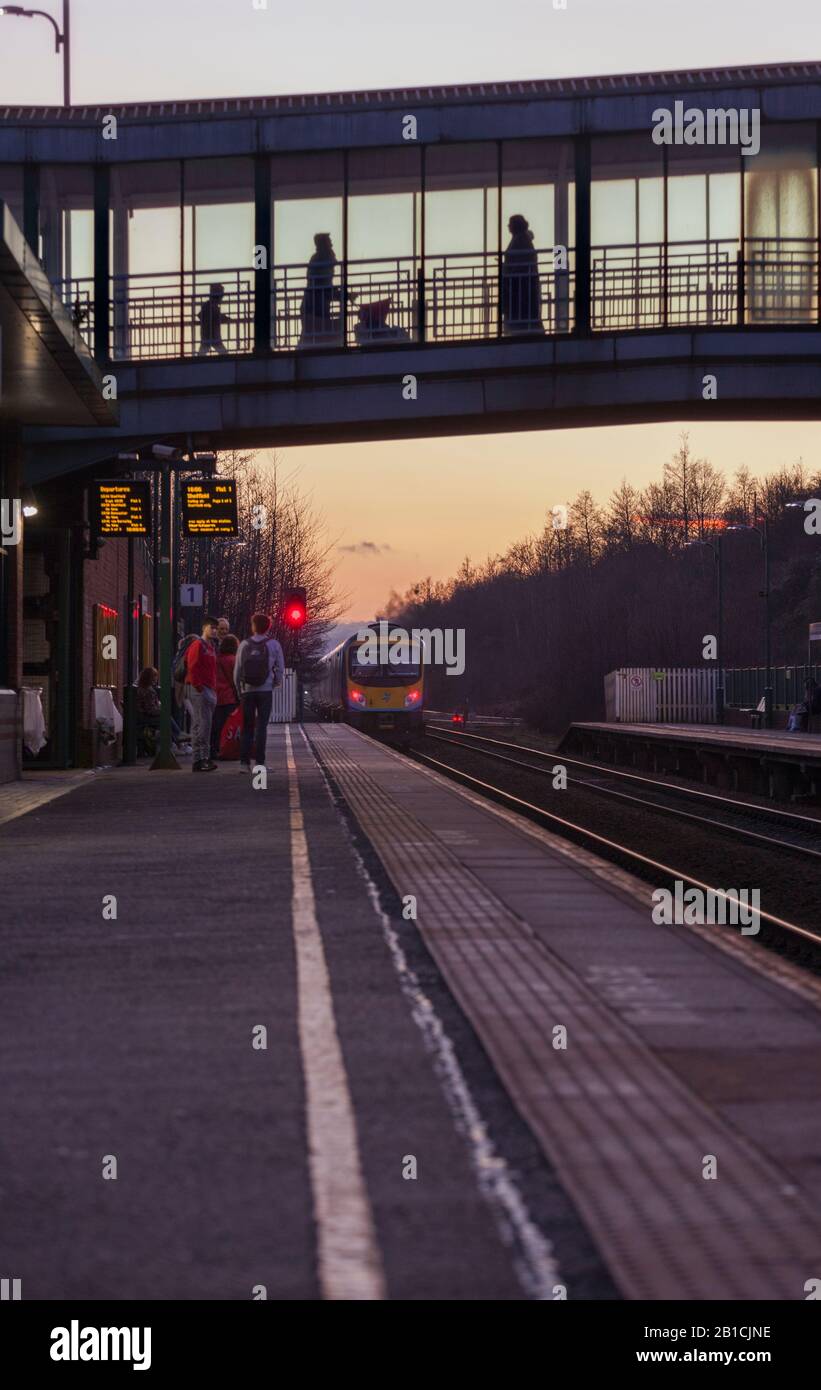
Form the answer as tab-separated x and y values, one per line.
369	672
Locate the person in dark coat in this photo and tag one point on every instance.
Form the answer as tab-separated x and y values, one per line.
316	312
521	289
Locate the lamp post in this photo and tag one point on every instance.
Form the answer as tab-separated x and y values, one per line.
715	546
61	37
763	540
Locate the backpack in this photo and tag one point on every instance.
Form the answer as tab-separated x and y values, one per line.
257	663
180	673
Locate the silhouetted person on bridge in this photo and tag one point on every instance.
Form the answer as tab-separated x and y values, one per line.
211	318
521	289
316	311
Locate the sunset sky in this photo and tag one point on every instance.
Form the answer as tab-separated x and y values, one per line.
400	511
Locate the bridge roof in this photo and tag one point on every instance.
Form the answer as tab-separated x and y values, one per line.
675	82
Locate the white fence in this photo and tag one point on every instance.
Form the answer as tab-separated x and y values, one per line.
283	708
666	695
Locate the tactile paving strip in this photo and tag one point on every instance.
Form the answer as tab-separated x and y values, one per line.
626	1137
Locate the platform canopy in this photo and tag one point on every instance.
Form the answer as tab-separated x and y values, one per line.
49	376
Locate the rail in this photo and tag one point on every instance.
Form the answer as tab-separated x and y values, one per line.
456	297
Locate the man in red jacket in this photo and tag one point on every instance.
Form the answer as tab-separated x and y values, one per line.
201	690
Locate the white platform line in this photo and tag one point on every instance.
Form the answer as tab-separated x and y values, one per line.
350	1263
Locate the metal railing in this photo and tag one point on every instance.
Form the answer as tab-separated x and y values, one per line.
196	314
352	304
457	298
744	686
78	297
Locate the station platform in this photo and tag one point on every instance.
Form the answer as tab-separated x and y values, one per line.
594	1106
767	762
676	1049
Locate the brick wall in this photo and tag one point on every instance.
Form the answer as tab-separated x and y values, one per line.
105	581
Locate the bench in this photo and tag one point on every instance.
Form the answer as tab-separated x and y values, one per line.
756	715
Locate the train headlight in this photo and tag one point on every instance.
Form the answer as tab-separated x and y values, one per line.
357	697
411	699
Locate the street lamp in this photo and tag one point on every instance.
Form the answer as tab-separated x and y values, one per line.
761	532
61	39
715	546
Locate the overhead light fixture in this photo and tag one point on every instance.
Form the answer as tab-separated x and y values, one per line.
29	502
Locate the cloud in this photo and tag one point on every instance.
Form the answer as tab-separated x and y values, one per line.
364	548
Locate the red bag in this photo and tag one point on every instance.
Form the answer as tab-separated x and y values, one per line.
230	736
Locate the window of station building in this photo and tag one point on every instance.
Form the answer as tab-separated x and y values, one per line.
218	235
626	232
384	244
11	190
308	249
703	189
147	291
538	208
67	236
781	226
462	240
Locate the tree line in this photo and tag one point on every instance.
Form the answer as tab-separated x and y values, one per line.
628	583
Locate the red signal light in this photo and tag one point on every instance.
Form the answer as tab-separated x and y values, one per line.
294	608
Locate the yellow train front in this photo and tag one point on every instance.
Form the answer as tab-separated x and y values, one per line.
375	684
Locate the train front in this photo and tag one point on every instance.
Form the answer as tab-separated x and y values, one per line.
384	684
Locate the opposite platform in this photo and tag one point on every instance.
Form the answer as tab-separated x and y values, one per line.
685	1053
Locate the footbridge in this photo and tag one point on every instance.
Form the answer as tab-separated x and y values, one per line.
374	264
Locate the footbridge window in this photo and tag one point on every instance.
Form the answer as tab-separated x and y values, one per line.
385	294
781	227
538	233
703	275
462	236
148	305
309	293
66	238
627	255
218	249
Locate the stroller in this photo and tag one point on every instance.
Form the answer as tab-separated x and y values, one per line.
372	325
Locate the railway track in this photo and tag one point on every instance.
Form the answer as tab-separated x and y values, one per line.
767	839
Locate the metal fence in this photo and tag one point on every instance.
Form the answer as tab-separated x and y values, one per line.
744	686
449	298
661	695
284	704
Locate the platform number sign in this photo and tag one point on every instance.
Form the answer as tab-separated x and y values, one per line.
190	596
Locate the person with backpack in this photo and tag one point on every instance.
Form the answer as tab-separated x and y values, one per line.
260	666
201	689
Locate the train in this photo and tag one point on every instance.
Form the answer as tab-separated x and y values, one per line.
369	682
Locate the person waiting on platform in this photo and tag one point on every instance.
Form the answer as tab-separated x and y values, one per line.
227	698
259	669
149	708
211	318
521	288
319	324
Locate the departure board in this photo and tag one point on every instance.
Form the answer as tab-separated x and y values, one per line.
209	507
121	507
